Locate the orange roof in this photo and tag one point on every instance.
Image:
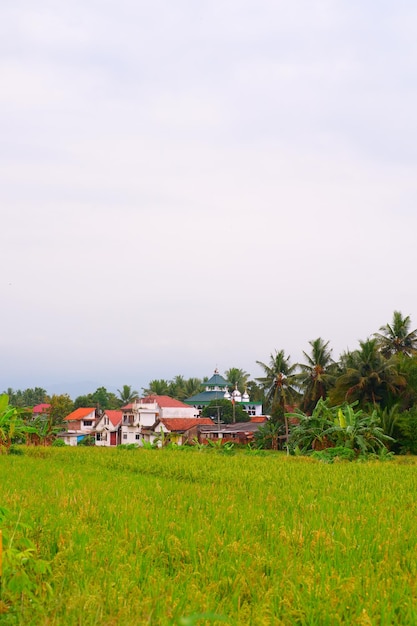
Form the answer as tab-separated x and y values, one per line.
258	419
184	423
79	414
114	416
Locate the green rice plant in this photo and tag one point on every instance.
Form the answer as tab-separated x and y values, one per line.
23	575
158	537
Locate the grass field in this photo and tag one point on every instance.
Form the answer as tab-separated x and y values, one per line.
166	537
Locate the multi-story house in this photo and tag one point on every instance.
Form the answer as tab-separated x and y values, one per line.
140	418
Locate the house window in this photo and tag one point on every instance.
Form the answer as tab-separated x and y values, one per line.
98	436
124	435
137	436
88	422
106	421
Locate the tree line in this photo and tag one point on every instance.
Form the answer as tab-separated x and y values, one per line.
380	375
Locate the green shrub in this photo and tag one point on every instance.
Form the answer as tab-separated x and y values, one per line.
339	453
407	424
58	443
128	446
16	449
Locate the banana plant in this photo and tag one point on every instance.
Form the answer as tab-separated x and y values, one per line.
12	424
341	425
358	430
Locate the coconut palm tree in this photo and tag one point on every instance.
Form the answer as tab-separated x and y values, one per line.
279	380
279	385
237	377
316	377
397	336
192	387
177	388
370	378
127	394
157	387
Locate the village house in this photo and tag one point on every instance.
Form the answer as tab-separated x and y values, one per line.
153	418
176	429
141	417
41	410
240	433
107	430
79	424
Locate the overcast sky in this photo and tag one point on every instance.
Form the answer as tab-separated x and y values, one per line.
185	185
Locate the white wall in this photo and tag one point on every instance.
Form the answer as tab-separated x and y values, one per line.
189	412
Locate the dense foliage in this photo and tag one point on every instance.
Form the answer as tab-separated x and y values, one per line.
343	426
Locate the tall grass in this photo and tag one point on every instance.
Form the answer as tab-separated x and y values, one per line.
163	538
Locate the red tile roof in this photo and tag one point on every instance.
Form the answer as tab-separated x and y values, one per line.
114	416
162	401
41	408
258	419
184	423
165	402
79	414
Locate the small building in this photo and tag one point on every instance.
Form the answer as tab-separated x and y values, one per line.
240	433
175	429
70	438
79	424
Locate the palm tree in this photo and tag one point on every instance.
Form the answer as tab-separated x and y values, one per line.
237	377
157	387
127	394
370	378
278	384
192	387
397	337
177	388
316	377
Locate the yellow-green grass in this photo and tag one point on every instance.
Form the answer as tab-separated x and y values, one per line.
162	537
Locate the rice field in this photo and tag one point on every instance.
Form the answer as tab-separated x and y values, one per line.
169	537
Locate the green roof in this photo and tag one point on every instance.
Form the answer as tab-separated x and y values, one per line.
205	396
216	381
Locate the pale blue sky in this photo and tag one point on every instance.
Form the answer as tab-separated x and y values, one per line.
185	185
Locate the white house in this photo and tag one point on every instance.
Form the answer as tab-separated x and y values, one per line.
107	431
139	417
